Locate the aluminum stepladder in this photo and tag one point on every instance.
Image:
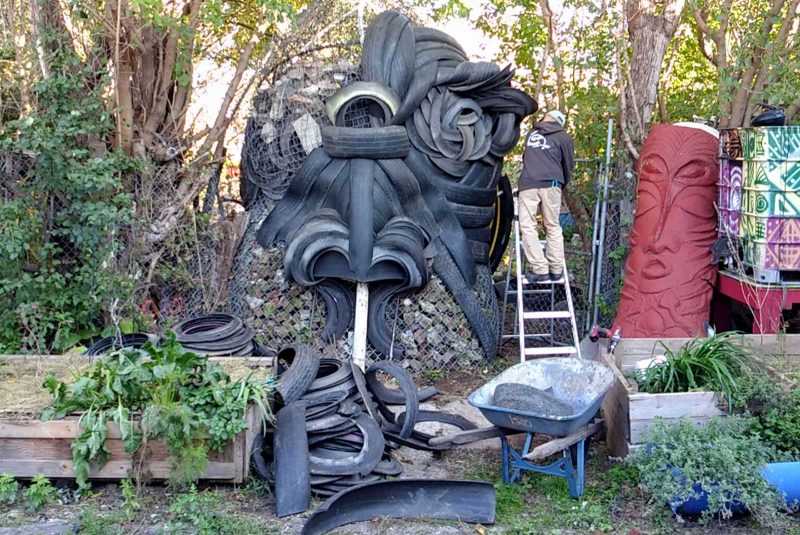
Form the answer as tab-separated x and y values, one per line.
525	288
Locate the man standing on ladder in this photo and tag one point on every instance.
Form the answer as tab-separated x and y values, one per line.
548	162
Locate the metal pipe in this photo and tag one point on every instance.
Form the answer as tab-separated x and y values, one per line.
603	213
595	220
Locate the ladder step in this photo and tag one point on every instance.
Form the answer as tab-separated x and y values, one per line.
547	314
526	282
530	292
540	351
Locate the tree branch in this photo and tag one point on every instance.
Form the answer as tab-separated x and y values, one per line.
744	91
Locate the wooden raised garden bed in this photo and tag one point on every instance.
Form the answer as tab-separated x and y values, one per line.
629	413
29	447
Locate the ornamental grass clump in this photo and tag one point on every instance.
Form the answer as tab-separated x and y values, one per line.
715	363
723	459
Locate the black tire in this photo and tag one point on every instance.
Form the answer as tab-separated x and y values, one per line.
294	382
387	142
374	92
207	328
126	341
331	372
442	417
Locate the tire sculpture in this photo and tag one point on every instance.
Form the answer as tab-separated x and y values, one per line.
416	188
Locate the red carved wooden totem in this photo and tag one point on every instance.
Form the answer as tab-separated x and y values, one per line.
669	277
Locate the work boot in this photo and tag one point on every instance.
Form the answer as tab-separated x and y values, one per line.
556	277
535	278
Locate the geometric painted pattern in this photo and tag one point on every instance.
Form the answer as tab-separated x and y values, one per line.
759	194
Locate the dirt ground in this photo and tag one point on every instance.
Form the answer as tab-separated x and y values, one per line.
540	504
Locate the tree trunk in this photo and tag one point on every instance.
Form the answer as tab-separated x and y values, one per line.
651	26
580	212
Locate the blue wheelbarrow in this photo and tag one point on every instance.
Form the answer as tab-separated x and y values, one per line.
582	384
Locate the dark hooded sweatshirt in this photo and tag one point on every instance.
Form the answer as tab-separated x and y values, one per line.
549	157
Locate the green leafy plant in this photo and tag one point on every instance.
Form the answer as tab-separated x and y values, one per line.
40	493
208	513
722	458
185	401
715	363
8	489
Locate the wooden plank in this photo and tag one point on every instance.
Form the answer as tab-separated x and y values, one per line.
639	427
557	445
360	325
615	402
650	406
112	470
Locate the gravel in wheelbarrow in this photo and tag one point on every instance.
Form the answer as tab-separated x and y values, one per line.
576	383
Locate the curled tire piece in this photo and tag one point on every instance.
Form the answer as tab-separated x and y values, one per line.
364	393
388	467
455	420
407	386
464	501
292	482
390	396
260	466
361	463
294	382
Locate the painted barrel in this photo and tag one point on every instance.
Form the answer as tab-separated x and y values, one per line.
759	194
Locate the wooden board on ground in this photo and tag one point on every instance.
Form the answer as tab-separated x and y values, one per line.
32	447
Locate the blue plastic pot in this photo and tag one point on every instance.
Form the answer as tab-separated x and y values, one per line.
783	476
786	478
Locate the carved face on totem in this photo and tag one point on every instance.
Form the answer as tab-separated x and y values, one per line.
669	276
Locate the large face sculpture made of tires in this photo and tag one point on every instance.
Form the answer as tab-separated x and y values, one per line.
412	190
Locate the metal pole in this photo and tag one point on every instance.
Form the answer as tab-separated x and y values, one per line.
592	264
603	213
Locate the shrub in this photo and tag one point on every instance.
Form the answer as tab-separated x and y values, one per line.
722	456
776	411
59	231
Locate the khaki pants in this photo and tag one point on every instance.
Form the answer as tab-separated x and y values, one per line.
549	200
